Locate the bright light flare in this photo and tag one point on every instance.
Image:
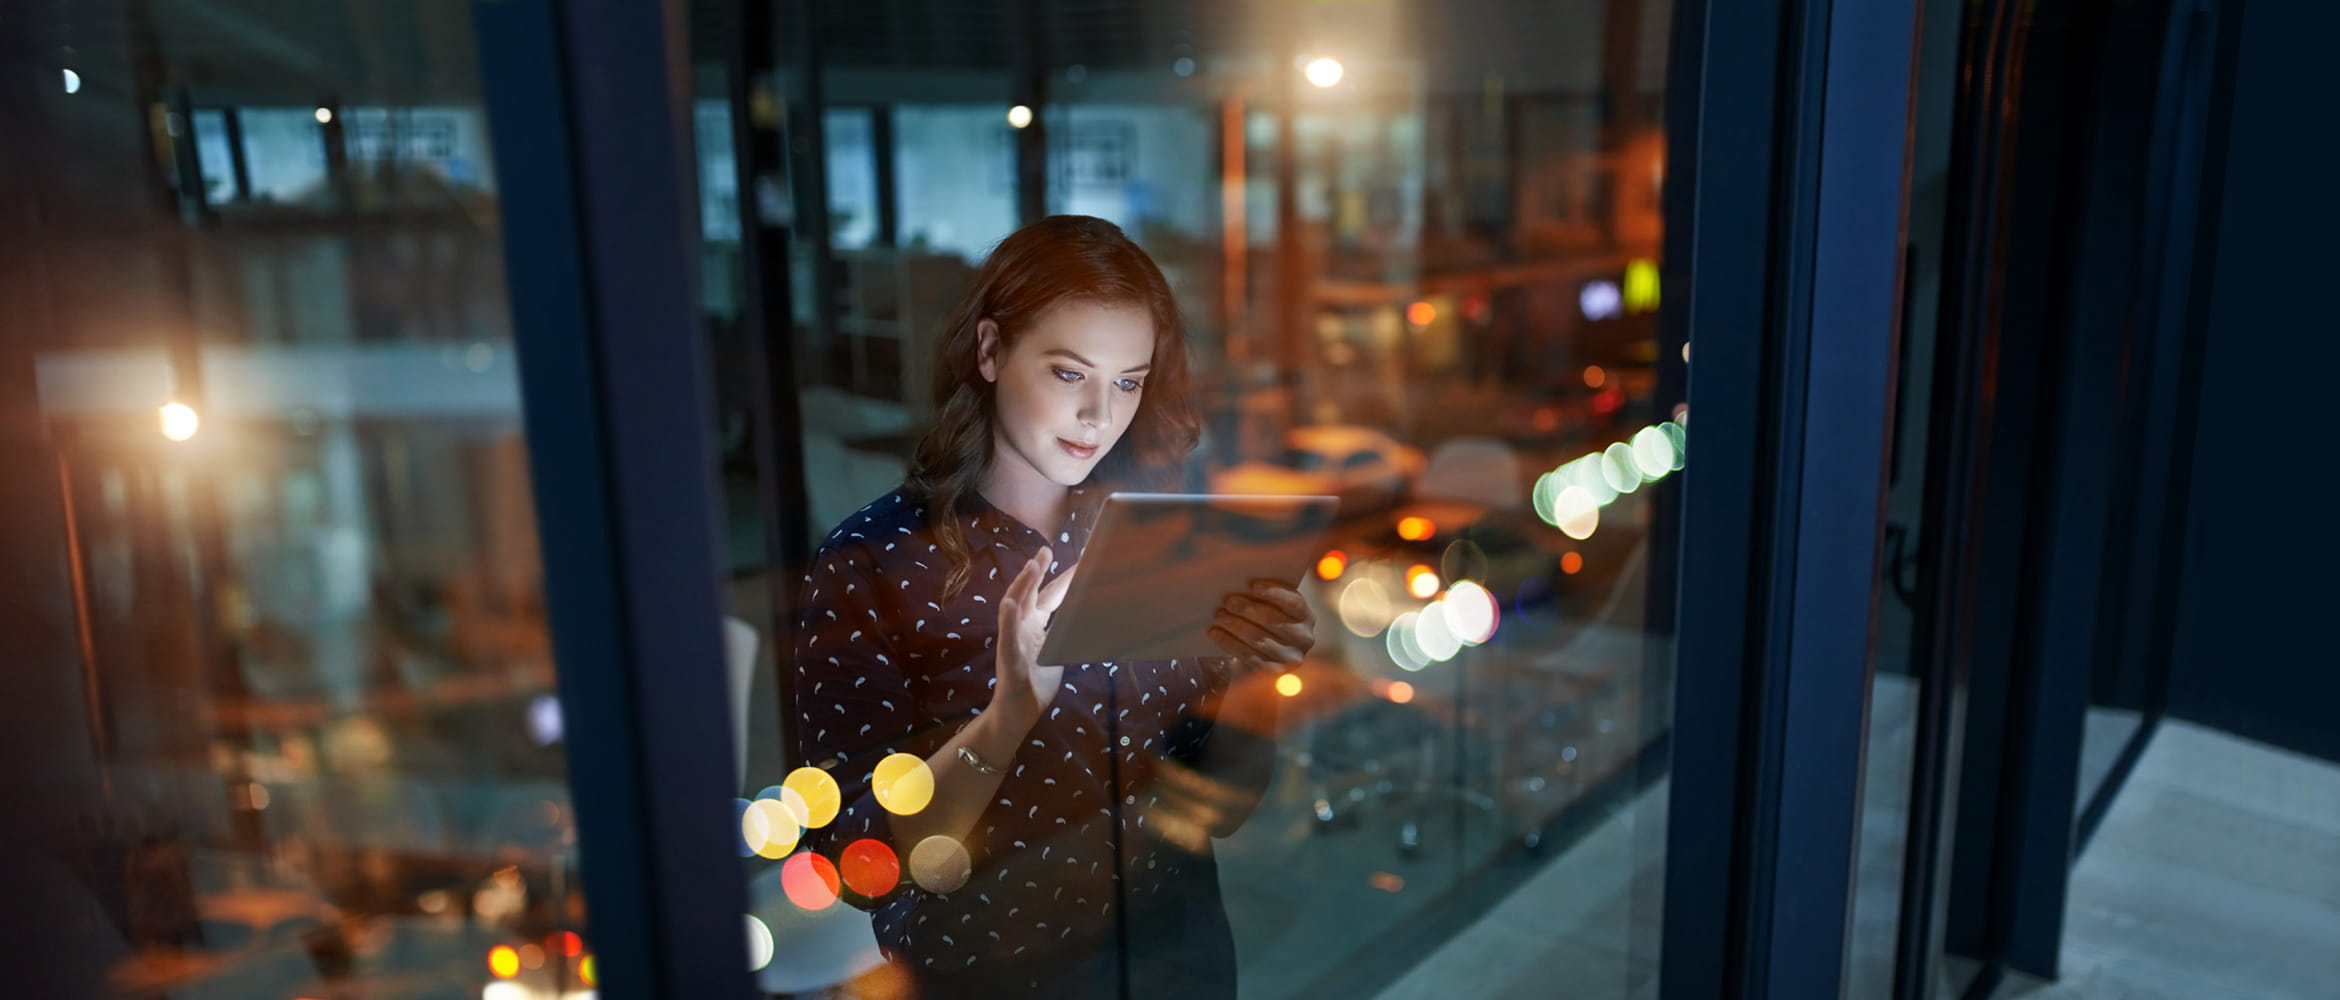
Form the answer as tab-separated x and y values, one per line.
1421	314
816	792
1421	581
809	881
1576	512
1432	634
1288	685
902	784
1324	72
1471	612
504	961
179	421
1332	565
1415	529
1401	692
759	938
72	82
1019	116
324	116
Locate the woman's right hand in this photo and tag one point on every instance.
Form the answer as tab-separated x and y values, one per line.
1025	686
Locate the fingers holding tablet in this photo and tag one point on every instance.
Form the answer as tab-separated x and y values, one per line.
1272	624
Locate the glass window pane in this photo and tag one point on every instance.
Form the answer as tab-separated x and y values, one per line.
303	704
1425	284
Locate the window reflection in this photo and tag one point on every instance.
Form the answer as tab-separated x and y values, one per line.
282	445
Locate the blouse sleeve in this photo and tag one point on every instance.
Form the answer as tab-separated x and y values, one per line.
853	705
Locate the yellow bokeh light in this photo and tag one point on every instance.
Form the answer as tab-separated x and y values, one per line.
504	961
902	784
1324	72
1641	286
817	792
1019	116
1288	685
1415	529
769	829
1332	565
1421	581
585	971
940	864
179	421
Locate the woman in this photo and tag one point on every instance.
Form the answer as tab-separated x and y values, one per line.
1066	846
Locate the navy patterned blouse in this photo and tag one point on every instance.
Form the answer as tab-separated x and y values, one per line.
1076	888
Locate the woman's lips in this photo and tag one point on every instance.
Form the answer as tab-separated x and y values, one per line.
1082	452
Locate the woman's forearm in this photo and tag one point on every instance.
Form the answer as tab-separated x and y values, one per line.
960	791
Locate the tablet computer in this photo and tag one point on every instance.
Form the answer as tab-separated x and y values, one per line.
1157	565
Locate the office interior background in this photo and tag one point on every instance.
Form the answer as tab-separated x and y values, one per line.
415	416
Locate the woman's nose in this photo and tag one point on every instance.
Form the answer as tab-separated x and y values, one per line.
1097	409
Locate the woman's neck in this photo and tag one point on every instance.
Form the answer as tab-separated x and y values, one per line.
1019	490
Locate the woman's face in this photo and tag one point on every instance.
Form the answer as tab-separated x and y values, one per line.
1068	388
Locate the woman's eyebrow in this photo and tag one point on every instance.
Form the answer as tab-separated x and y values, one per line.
1061	352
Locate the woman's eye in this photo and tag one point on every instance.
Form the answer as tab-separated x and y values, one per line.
1130	385
1066	375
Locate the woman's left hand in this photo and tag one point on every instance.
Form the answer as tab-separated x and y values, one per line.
1270	625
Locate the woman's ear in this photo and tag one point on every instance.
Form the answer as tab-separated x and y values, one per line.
987	348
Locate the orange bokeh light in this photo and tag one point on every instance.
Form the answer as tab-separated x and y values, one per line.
1571	562
1421	313
1332	565
504	961
1594	377
809	880
1421	581
871	868
1415	529
585	971
567	943
1401	692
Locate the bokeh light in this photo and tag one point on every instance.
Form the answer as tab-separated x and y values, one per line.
1401	692
1431	633
1324	72
1415	529
871	868
567	943
324	116
816	791
72	82
1471	612
1331	566
1595	376
1402	648
1421	314
1653	453
809	881
1575	512
587	971
902	784
1571	562
531	956
768	829
759	942
1618	468
1421	581
1463	560
1019	116
1364	607
1288	685
179	421
940	864
504	961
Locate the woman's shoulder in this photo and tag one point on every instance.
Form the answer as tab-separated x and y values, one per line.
889	517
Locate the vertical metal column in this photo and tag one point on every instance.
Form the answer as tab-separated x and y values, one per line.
586	99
